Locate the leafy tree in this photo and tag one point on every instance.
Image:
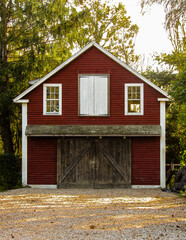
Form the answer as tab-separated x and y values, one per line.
10	171
37	35
175	130
110	27
177	62
162	79
176	116
175	26
29	32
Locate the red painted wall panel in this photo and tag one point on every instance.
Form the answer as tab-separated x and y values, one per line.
145	161
42	161
93	61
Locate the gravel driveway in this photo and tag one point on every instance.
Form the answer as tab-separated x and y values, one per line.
92	214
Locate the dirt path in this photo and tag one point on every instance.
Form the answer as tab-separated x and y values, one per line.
92	214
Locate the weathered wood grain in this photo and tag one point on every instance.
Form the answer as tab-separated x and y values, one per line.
74	162
112	161
94	162
93	130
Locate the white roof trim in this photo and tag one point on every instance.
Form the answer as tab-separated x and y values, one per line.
77	55
23	101
163	99
33	81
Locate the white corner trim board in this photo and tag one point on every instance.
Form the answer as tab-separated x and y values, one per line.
24	144
162	145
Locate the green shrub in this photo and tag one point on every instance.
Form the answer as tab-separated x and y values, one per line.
10	171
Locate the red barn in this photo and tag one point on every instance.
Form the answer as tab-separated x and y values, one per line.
93	122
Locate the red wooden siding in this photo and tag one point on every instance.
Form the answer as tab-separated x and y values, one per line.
42	161
146	161
145	154
93	61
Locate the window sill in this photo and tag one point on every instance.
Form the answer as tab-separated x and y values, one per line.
94	116
134	114
52	114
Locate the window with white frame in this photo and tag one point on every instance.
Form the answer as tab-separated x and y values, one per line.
134	99
93	95
52	99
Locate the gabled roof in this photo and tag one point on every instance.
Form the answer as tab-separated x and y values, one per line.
19	99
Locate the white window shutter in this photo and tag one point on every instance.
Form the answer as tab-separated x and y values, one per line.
101	95
86	95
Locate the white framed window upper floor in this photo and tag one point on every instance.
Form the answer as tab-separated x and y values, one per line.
52	99
134	99
94	94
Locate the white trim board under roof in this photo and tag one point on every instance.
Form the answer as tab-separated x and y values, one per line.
34	81
69	60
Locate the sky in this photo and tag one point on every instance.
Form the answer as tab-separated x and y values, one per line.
152	37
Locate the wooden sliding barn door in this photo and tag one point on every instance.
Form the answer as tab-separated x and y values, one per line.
94	162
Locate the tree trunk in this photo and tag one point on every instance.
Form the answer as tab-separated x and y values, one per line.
4	83
6	135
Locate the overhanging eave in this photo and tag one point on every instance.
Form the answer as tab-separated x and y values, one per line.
93	130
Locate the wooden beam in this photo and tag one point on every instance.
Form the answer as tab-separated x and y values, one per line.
93	130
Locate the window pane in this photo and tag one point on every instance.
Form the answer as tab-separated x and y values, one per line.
56	106
56	96
134	106
51	106
52	89
134	99
48	92
48	106
135	93
52	93
129	93
138	93
52	99
132	92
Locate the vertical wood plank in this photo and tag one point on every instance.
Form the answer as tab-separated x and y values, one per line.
107	161
59	166
129	157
